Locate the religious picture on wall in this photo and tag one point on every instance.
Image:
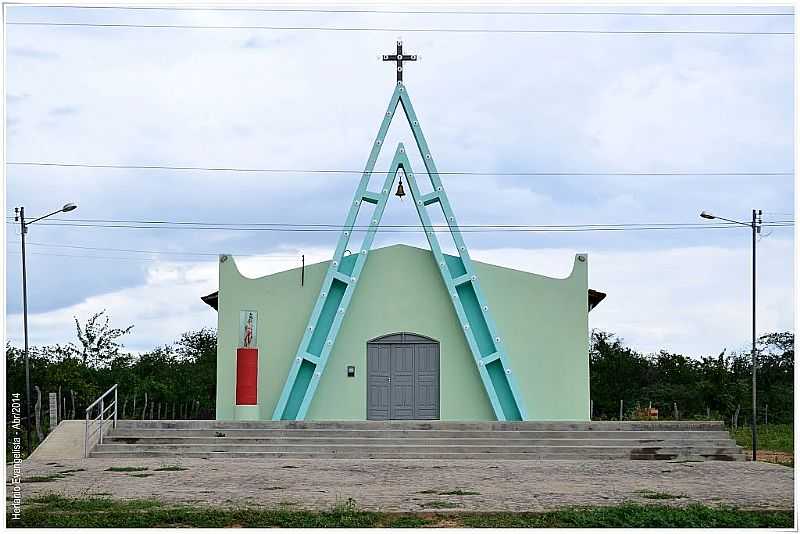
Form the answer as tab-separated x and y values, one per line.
248	321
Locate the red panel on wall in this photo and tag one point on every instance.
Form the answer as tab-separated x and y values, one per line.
246	376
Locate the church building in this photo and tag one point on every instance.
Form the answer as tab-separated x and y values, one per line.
401	332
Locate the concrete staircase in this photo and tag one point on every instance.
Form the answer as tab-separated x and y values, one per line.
530	440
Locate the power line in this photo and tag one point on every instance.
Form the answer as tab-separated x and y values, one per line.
688	226
395	30
83	256
341	171
279	257
420	226
268	257
165	252
426	12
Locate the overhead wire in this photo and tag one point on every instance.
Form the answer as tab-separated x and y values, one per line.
406	229
165	252
394	30
83	256
343	171
205	256
419	12
340	226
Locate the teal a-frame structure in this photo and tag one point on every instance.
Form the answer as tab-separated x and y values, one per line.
457	272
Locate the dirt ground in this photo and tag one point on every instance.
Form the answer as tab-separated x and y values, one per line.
416	485
775	457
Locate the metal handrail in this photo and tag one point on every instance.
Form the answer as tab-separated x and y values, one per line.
92	405
100	417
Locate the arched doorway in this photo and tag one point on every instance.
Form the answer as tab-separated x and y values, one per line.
402	377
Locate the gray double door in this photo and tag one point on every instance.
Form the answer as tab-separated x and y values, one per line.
402	377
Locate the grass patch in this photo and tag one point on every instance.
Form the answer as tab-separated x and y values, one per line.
43	478
125	469
141	475
171	468
60	504
439	504
459	492
658	495
61	512
429	491
770	437
67	471
407	521
634	516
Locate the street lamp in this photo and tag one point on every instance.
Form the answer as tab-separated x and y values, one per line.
755	225
23	224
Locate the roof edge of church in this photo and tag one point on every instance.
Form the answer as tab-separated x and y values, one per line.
595	297
413	247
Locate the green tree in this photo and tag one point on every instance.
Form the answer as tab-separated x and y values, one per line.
98	341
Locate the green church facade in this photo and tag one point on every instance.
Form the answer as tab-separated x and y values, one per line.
544	322
400	332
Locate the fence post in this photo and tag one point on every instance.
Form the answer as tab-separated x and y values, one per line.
591	410
37	414
620	409
86	436
53	398
102	411
675	409
116	407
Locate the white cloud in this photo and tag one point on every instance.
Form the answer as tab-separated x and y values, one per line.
486	102
690	300
162	308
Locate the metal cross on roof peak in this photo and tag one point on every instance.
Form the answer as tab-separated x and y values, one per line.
399	58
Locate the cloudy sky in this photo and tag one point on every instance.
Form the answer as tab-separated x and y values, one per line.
305	99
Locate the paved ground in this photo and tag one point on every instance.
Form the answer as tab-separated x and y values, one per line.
412	485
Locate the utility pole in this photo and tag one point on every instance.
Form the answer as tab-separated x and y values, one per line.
23	230
23	227
756	227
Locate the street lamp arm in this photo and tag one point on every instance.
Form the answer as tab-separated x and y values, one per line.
42	217
732	221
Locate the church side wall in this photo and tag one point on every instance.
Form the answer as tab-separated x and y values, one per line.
545	324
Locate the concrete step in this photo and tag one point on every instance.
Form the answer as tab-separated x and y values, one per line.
384	441
451	434
532	440
416	449
688	455
429	425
